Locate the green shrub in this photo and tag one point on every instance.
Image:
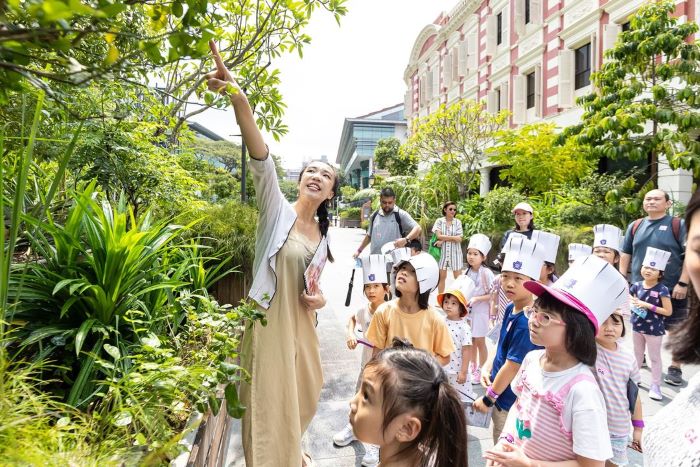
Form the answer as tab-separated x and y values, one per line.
351	213
228	228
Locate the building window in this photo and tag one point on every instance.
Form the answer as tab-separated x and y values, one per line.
498	100
531	90
583	66
626	26
527	12
499	28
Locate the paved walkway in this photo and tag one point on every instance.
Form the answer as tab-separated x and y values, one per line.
341	367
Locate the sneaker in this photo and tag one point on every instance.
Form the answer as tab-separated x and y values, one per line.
476	377
371	457
655	392
674	376
344	436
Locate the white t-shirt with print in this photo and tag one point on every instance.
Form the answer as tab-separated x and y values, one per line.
584	414
362	320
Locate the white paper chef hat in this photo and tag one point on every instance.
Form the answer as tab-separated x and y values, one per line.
374	269
576	250
427	270
480	242
591	285
399	254
525	257
607	235
513	241
549	242
655	258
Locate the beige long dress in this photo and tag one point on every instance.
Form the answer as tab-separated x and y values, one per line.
284	362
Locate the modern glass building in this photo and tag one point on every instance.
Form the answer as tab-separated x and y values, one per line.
359	139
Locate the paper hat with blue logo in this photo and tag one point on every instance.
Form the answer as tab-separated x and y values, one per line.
657	259
374	269
608	236
462	289
427	270
577	250
524	257
591	285
549	242
480	242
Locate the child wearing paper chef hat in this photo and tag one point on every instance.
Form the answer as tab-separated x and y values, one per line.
578	250
560	414
651	301
550	244
376	290
523	262
455	303
607	241
477	251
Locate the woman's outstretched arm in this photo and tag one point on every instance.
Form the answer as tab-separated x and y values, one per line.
222	81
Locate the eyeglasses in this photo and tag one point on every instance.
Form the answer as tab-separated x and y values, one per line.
451	209
542	318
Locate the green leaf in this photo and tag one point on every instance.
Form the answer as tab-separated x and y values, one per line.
214	404
82	334
233	405
112	351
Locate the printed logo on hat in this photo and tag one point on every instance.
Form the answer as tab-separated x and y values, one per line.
603	241
371	277
570	283
517	265
653	263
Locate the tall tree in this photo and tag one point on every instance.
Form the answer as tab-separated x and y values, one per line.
46	43
534	163
647	95
387	156
456	137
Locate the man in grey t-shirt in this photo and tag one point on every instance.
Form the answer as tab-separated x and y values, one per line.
656	230
384	228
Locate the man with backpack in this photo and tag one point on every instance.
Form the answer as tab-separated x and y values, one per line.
390	223
665	232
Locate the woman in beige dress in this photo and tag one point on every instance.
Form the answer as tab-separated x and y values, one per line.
283	357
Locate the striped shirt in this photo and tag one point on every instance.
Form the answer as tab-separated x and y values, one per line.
613	368
451	252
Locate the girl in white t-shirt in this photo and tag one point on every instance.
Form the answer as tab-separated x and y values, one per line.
377	292
560	411
616	372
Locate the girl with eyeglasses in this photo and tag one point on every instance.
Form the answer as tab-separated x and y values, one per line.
559	415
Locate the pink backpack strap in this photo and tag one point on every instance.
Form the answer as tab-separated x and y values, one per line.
564	392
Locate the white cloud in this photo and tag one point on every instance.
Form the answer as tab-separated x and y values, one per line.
346	71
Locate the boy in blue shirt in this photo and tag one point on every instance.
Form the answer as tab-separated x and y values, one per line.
523	262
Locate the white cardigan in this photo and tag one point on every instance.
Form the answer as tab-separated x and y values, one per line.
275	220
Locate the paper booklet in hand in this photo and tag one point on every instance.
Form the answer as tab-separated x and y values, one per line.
312	275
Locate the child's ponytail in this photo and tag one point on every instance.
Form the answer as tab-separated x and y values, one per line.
447	430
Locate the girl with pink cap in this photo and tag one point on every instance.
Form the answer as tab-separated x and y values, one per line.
560	411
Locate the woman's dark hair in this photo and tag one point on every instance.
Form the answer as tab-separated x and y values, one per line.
580	332
530	226
447	205
619	320
685	338
322	211
413	381
423	298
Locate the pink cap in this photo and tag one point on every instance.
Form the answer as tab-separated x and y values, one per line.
564	297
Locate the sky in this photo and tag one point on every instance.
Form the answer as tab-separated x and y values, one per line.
347	71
